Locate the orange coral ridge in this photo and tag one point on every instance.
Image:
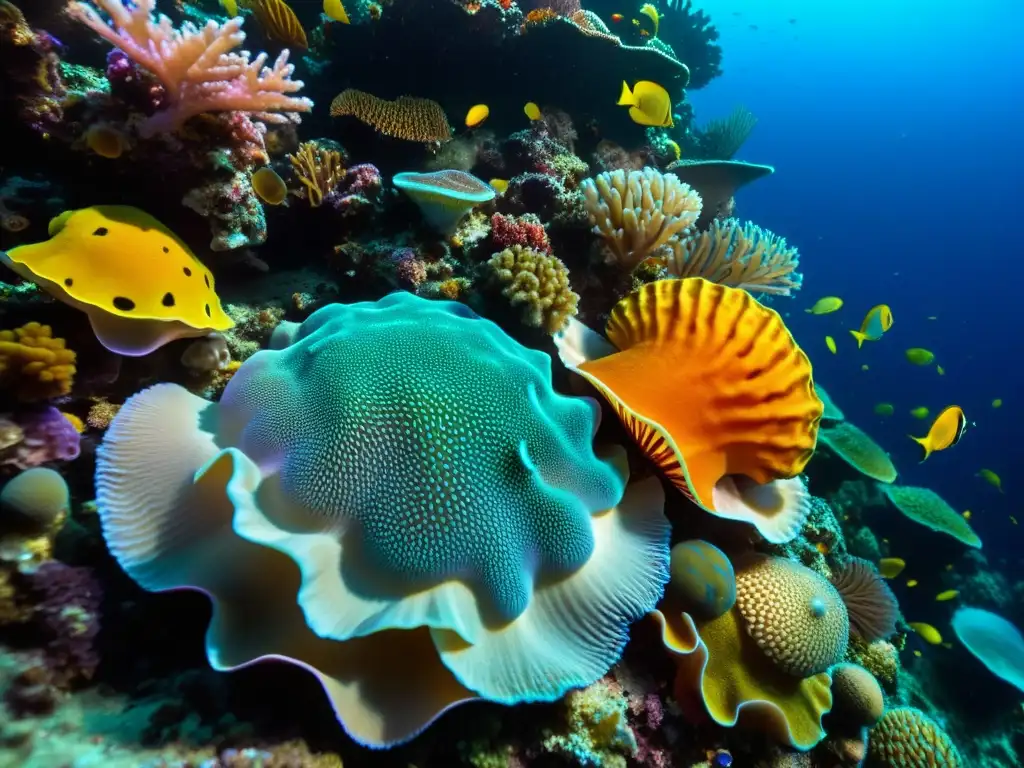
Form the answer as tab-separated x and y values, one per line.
318	169
407	117
34	364
710	383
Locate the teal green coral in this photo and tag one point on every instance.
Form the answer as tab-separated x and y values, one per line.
423	401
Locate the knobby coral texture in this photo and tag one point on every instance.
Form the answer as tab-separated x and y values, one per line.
472	397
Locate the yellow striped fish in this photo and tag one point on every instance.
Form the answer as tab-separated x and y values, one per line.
278	21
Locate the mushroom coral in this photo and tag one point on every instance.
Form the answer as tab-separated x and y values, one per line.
444	197
716	392
406	471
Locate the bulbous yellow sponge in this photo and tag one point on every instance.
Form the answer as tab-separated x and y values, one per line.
856	696
907	738
34	364
796	617
540	283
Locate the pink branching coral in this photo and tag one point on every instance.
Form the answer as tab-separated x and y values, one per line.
196	65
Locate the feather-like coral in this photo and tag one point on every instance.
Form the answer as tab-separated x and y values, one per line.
34	364
318	169
540	283
872	606
640	212
742	256
196	65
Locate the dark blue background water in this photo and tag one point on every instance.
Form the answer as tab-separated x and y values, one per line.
897	131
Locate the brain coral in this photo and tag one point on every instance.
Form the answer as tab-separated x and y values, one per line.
797	618
907	738
702	579
419	473
857	696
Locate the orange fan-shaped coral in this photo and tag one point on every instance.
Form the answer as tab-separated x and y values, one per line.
318	168
34	364
407	117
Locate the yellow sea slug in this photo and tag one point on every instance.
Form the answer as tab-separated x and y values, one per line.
137	281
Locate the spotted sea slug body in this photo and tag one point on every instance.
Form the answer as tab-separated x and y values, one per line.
406	471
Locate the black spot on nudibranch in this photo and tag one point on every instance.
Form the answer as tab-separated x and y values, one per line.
188	272
207	279
166	249
101	231
168	300
208	310
124	304
68	282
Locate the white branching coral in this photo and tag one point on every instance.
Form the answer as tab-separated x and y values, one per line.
640	212
197	66
739	255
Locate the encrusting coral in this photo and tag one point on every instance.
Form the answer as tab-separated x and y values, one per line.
539	282
407	117
742	256
195	65
33	364
640	212
405	470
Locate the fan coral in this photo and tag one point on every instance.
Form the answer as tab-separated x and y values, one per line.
406	498
318	168
872	606
926	507
857	697
702	579
744	256
539	281
907	738
748	424
691	33
721	139
407	117
35	365
796	617
640	212
194	65
857	449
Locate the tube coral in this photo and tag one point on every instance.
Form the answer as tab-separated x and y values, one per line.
196	65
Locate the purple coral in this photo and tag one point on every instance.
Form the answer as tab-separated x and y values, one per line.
359	188
47	436
67	611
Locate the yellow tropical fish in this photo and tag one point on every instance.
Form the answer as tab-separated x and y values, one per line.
676	149
921	412
941	370
877	321
912	583
949	594
884	409
891	567
920	356
825	306
991	478
997	403
967	514
649	104
105	141
651	13
865	367
335	11
500	185
278	21
945	432
476	115
927	632
831	344
532	110
917	653
269	186
230	7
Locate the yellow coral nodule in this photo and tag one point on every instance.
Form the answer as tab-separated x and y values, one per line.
34	364
538	281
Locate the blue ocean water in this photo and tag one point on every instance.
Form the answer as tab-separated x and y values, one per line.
896	130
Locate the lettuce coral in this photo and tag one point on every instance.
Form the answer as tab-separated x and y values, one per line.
395	498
